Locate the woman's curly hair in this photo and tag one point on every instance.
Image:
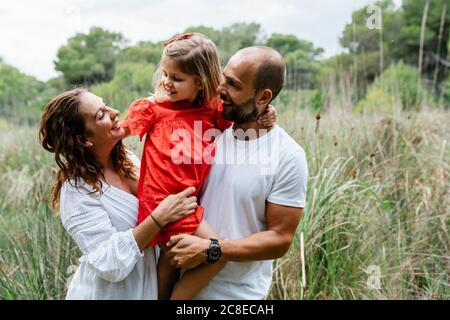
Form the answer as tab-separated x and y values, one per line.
61	125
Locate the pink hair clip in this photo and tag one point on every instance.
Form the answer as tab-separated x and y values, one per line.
179	37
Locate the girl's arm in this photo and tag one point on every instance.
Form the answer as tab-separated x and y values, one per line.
140	118
173	208
269	118
194	280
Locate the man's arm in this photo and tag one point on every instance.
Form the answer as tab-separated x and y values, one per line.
282	222
189	251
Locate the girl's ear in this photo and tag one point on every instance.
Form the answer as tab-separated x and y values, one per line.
199	83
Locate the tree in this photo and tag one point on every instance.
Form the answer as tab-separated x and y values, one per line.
373	49
143	52
289	43
131	81
301	58
89	58
396	87
231	39
436	36
22	97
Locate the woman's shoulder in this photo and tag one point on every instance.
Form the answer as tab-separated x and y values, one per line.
133	158
75	186
77	196
77	191
78	188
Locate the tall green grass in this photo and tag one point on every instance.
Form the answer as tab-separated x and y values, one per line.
378	208
378	201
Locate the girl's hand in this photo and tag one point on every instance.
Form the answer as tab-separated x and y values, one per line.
126	130
268	118
175	207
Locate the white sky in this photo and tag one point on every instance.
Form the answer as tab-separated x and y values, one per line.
31	31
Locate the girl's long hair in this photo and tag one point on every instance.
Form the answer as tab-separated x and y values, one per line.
195	55
61	126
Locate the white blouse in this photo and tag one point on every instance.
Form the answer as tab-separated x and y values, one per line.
112	266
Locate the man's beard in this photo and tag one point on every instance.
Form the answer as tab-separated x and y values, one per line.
238	114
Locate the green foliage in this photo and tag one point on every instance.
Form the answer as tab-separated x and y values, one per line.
89	58
376	185
21	96
398	40
301	60
365	61
143	52
358	37
131	81
412	14
289	43
299	100
15	87
446	94
396	86
377	100
230	39
42	256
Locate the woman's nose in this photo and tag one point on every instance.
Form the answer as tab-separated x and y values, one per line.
114	113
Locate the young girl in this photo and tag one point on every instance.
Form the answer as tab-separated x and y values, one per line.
184	107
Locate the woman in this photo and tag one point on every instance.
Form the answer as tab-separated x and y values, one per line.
95	192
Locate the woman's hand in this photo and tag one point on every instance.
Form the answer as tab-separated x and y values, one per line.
268	118
175	207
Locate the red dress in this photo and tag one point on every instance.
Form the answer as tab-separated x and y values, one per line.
173	156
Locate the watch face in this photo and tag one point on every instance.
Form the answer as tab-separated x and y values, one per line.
214	253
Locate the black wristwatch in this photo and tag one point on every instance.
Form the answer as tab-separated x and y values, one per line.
213	253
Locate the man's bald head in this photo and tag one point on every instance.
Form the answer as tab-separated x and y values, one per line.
269	67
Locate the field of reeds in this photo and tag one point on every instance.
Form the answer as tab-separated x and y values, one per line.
376	225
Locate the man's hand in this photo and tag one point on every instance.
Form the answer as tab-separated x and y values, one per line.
186	251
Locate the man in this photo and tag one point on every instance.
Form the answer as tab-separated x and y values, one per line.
255	193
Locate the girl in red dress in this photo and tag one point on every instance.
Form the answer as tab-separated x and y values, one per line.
177	153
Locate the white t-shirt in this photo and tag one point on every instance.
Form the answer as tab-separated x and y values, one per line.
244	175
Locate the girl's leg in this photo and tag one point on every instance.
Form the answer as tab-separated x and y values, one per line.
194	280
167	276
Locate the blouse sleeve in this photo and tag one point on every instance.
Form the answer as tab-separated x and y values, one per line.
140	117
219	122
110	254
133	158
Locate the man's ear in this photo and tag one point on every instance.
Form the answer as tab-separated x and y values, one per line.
263	98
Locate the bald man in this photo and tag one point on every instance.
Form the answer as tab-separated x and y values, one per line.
256	190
